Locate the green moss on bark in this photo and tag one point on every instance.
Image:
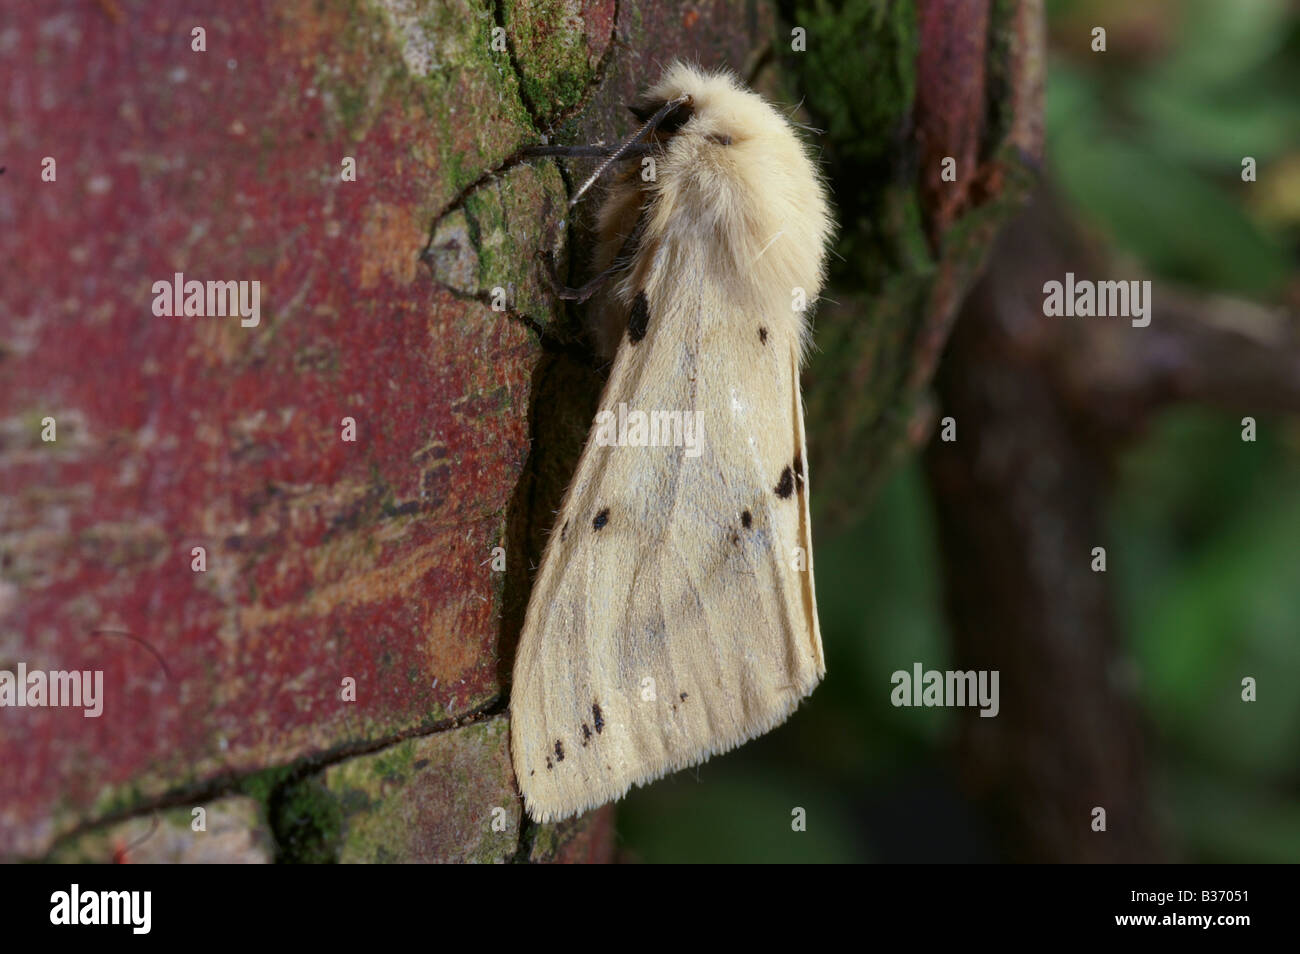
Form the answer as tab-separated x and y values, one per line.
890	292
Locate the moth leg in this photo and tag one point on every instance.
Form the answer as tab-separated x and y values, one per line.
621	261
581	293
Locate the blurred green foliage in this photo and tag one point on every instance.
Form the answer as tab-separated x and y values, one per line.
1147	139
1206	528
1146	142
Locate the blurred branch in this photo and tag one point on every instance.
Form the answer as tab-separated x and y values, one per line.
1019	499
1041	407
1201	348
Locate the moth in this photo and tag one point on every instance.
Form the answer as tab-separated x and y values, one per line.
673	616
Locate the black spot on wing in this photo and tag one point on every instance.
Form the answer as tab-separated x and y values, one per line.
549	766
762	334
682	697
597	717
602	518
785	486
586	733
747	519
639	320
559	751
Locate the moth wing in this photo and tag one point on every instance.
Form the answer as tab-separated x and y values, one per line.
674	614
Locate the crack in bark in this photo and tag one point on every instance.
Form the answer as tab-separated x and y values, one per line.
231	783
548	340
527	838
499	18
597	76
519	156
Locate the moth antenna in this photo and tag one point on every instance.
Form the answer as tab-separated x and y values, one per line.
646	128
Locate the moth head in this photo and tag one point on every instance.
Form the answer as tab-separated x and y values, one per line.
732	166
715	110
